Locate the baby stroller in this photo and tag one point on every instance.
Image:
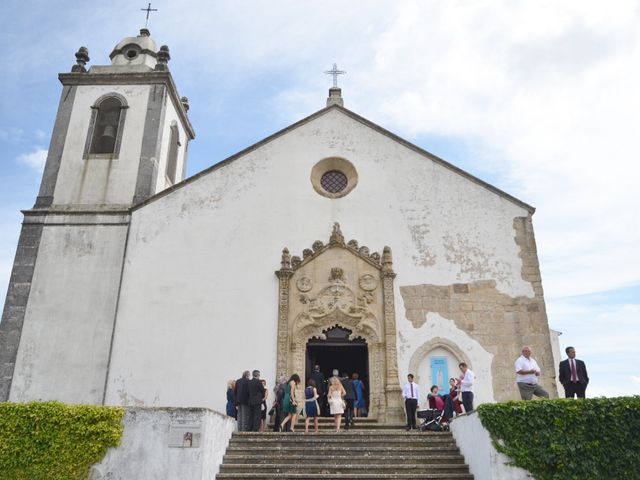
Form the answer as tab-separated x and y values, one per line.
433	420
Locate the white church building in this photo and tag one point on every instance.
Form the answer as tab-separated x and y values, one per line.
333	241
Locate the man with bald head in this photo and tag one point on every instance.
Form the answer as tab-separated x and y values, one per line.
527	374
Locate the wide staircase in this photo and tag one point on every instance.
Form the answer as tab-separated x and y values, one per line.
369	450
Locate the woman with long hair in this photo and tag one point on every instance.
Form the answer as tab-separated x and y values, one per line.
454	392
290	403
336	403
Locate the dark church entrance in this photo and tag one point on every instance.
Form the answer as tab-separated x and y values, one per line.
338	352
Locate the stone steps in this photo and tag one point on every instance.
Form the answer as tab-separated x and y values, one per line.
303	469
368	451
416	458
422	474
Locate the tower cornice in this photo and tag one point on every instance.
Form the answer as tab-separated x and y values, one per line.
133	78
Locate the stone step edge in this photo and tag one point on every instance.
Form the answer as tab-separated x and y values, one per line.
377	476
358	448
348	466
381	433
345	469
347	456
340	441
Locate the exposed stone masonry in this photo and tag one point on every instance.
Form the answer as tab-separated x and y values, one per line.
16	303
500	323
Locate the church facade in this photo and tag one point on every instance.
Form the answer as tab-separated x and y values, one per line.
331	242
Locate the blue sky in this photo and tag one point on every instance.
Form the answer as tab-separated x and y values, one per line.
537	98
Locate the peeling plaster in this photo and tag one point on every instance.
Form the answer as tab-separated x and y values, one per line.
475	262
499	323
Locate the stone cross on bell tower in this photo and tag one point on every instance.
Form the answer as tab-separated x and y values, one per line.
148	10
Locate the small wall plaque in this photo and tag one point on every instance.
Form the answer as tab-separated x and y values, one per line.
185	436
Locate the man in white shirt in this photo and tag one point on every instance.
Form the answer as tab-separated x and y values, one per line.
411	394
466	387
527	373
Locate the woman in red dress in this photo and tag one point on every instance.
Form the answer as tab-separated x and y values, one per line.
455	394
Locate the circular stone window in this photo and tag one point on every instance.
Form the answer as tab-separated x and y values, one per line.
131	51
334	177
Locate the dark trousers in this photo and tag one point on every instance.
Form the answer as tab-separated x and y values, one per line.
411	405
243	418
448	406
277	418
348	412
254	418
467	401
571	389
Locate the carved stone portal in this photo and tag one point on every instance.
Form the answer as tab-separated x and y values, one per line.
341	284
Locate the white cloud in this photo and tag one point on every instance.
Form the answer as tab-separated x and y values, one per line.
544	92
606	337
35	159
11	134
41	135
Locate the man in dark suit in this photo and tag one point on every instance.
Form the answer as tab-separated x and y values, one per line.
242	401
349	399
573	375
256	396
318	377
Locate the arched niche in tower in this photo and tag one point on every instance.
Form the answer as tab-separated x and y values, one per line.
106	125
172	155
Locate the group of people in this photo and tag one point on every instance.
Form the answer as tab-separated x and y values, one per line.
338	396
572	375
247	401
342	395
460	395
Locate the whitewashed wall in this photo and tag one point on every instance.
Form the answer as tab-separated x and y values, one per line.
148	450
65	340
199	297
485	462
100	180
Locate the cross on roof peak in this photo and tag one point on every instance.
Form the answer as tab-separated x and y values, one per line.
148	10
335	72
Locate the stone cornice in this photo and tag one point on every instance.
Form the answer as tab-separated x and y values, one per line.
133	78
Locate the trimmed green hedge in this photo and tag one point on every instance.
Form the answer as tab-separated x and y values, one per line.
564	439
54	441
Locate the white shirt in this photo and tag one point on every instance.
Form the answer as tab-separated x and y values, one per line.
466	384
406	391
522	363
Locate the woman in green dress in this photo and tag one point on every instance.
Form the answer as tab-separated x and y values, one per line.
290	404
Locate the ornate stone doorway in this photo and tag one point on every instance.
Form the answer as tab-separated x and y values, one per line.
341	285
338	352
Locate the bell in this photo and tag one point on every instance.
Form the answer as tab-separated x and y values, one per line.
107	141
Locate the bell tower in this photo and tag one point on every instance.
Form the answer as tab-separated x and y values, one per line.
120	136
122	130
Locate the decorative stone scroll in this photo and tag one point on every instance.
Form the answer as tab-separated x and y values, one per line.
341	284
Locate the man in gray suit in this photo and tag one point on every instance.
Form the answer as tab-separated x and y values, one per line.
242	401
